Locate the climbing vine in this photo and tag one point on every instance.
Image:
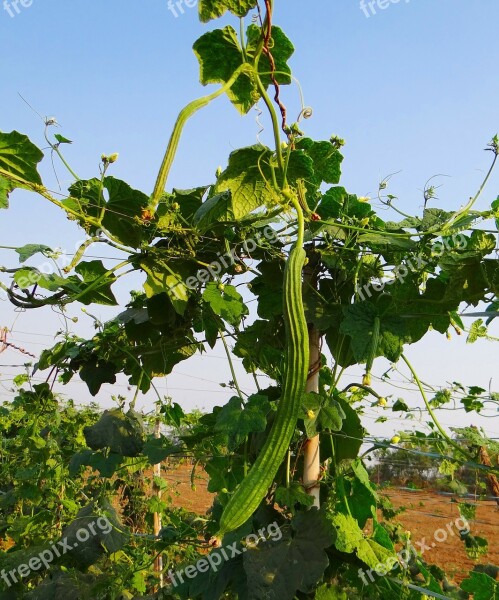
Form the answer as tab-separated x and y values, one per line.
275	226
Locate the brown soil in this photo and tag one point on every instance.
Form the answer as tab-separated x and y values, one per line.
430	517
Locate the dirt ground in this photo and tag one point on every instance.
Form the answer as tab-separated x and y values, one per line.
431	518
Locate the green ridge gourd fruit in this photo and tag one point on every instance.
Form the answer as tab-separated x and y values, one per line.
255	485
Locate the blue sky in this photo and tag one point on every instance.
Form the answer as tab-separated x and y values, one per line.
412	88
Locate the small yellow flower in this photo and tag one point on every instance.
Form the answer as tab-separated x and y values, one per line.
395	439
364	222
364	199
354	389
366	380
382	402
310	414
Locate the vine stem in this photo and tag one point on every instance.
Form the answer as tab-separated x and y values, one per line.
273	116
185	114
55	148
431	413
231	365
455	217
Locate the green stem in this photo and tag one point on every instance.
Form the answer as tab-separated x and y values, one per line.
137	389
300	237
472	201
231	365
275	122
432	414
55	148
363	387
182	119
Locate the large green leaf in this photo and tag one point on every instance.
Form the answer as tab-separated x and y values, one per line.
19	157
237	421
481	586
30	250
273	568
220	55
110	535
212	9
226	302
326	158
348	441
96	372
321	413
98	282
121	213
217	209
122	433
350	538
359	325
161	278
247	177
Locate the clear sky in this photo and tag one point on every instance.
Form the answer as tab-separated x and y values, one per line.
413	88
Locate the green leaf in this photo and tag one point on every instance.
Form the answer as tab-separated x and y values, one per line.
110	535
213	9
350	538
225	473
96	372
217	209
272	568
359	325
477	330
63	585
326	159
61	139
237	421
321	413
157	449
220	55
30	250
5	189
161	278
95	276
19	157
122	212
400	406
331	592
226	302
433	217
348	441
121	433
288	497
282	49
243	179
189	202
481	586
106	465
